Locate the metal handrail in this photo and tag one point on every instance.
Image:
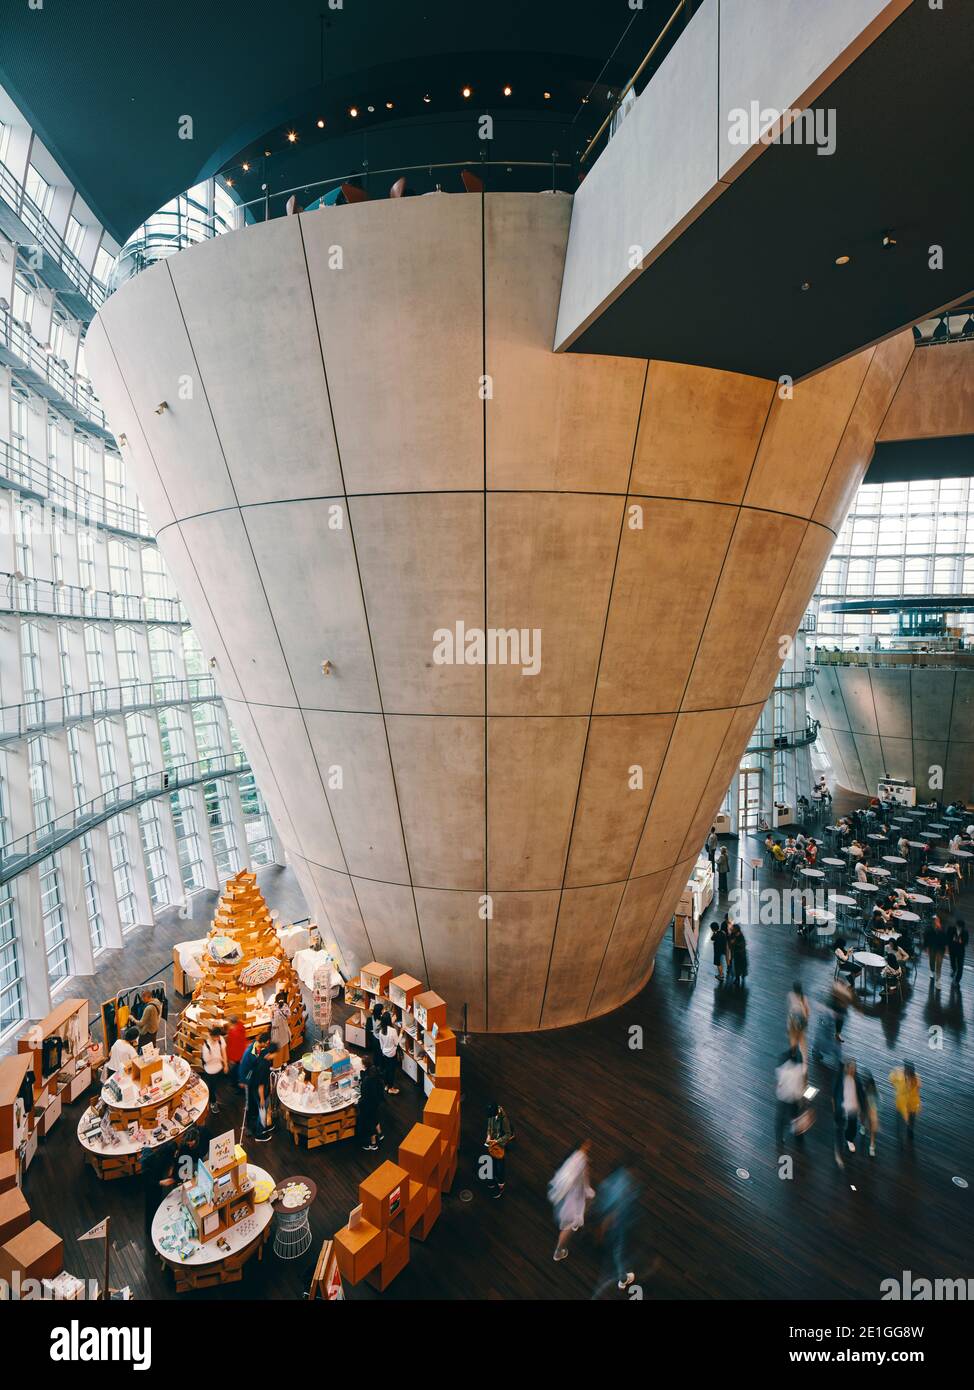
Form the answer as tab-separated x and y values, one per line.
794	680
958	660
18	341
154	245
60	711
631	83
48	599
23	853
798	738
33	478
15	195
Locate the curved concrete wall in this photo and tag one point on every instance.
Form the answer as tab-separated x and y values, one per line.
905	723
330	365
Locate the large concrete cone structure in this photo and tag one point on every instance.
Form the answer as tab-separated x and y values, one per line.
366	441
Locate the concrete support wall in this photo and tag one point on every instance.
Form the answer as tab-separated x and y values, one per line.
367	439
917	724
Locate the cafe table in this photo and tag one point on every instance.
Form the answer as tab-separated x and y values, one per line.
864	887
902	915
870	962
811	873
919	898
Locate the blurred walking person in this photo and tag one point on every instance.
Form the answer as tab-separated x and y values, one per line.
789	1095
957	939
615	1208
906	1090
718	940
569	1192
848	1104
798	1012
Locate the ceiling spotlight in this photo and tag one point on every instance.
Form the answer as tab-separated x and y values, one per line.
245	167
467	92
371	108
326	668
267	154
547	96
229	183
843	260
321	123
162	407
353	111
889	239
292	135
806	284
388	105
123	440
507	91
427	98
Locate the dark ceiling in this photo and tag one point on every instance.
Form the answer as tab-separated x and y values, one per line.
728	292
105	83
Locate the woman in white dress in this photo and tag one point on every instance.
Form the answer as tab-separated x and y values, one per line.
569	1192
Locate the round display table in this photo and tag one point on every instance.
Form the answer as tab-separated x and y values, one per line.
113	1151
201	1265
292	1203
310	1117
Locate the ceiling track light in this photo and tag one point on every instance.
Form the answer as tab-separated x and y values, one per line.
843	260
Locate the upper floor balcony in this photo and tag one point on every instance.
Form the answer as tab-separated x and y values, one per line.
41	371
25	224
34	479
45	598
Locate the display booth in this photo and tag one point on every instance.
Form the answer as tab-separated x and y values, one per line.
207	1229
153	1101
896	791
243	967
317	1093
401	1201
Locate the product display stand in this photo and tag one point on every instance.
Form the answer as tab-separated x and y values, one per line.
244	966
402	1200
318	1094
154	1101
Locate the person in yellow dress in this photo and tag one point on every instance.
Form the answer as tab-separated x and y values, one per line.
906	1089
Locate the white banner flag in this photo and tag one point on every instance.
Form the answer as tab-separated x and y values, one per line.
98	1232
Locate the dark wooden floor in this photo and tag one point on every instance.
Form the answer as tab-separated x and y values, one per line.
695	1103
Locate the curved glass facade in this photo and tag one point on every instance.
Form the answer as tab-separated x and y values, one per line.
123	788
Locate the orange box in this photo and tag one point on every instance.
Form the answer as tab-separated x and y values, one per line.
359	1250
442	1111
14	1214
8	1170
420	1150
394	1261
378	1194
37	1252
444	1044
428	1219
448	1073
374	977
403	990
419	1196
428	1009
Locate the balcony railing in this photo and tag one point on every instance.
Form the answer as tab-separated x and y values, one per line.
35	479
15	195
60	711
48	599
954	660
30	849
794	680
783	742
22	347
168	233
